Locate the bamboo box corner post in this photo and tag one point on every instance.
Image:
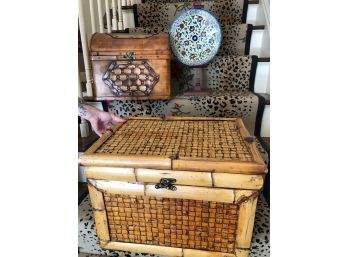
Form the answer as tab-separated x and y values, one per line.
176	186
130	67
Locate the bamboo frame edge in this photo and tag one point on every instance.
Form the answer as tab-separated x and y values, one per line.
203	253
126	161
248	182
99	212
188	118
237	167
242	252
140	248
94	147
247	211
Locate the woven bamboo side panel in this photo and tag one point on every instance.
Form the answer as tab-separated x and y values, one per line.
184	138
193	224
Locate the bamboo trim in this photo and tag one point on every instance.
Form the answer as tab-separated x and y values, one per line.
251	168
242	252
103	138
142	248
169	251
117	126
182	118
101	224
182	177
199	118
199	159
252	146
98	143
145	118
194	193
199	253
117	187
212	179
237	181
256	154
245	195
96	197
110	173
242	129
99	212
125	161
190	178
246	223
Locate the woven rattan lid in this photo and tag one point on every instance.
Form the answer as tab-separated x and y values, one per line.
178	143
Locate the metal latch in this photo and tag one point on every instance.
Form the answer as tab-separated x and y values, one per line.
166	183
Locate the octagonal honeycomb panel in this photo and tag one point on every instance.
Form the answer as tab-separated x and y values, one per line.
130	78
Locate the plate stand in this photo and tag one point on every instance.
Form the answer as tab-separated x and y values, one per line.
198	88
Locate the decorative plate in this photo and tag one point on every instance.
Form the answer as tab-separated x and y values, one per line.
195	37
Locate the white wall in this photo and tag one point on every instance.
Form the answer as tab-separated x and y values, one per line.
262	78
265	125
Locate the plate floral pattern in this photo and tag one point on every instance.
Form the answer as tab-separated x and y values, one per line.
195	37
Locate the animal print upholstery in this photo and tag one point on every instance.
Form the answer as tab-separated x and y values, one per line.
262	151
236	2
228	12
148	30
234	37
169	1
219	104
230	72
223	73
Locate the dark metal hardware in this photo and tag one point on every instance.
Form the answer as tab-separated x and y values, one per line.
166	183
129	56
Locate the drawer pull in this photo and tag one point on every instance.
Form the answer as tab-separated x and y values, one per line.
166	183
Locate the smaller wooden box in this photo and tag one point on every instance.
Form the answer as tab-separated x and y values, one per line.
130	66
178	186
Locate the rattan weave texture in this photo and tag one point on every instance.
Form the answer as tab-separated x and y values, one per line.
172	222
182	138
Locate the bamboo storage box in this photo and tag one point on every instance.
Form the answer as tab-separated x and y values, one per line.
175	186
